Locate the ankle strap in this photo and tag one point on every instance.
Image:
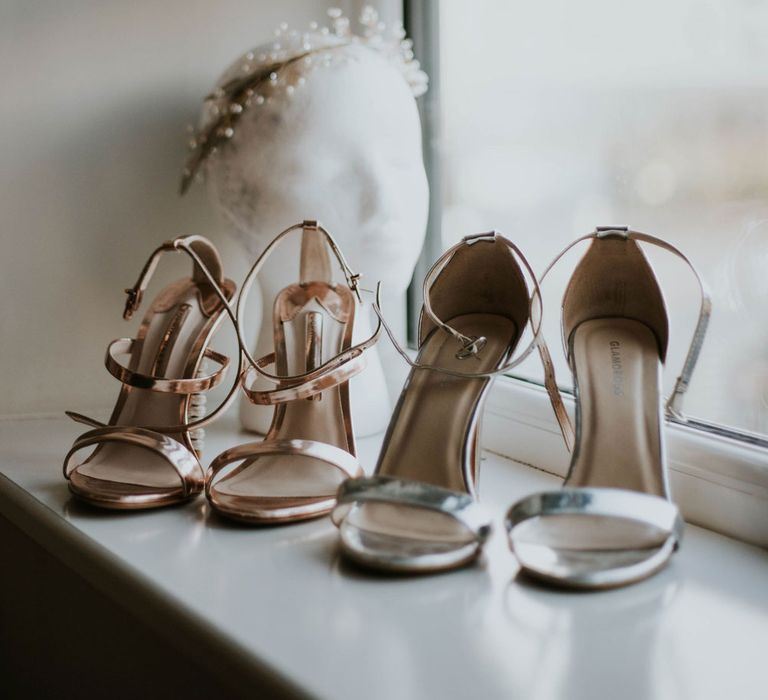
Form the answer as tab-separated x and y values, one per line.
471	346
206	269
674	404
335	362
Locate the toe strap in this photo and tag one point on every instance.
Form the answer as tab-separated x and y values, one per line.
654	511
381	489
177	455
330	454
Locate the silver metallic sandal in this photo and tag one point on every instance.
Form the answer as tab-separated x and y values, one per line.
612	523
419	511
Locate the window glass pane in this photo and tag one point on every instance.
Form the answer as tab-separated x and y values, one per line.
559	116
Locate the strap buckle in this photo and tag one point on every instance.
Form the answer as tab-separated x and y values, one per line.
353	280
132	302
136	292
471	346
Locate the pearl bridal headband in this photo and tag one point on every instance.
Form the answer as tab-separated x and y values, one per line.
277	69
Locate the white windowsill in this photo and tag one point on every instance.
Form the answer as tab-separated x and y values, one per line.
281	598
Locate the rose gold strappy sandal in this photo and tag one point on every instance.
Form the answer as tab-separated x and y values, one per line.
419	511
613	522
147	455
310	447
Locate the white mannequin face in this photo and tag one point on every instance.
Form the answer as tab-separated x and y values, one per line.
344	148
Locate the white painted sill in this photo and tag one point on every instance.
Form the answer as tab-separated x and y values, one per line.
719	483
278	602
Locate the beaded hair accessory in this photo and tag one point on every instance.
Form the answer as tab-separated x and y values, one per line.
282	65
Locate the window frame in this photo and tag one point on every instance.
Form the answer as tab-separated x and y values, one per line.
718	474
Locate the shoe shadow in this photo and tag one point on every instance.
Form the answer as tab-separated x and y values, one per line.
574	635
354	571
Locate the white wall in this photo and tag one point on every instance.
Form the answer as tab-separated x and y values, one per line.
92	140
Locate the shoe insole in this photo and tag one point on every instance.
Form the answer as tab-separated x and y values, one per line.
296	477
432	433
166	349
617	370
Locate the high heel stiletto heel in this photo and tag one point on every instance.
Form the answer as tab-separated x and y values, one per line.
419	511
147	455
310	447
612	523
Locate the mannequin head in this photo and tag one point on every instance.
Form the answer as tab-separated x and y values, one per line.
322	125
337	139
